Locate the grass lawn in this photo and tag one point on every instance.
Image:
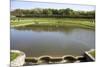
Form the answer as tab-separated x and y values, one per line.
54	21
13	55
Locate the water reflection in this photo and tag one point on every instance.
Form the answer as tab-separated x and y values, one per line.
53	41
44	28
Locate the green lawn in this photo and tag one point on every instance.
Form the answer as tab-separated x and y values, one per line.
54	21
13	55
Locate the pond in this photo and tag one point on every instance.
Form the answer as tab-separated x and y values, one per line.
53	41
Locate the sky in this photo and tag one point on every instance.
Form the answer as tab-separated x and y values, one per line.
31	5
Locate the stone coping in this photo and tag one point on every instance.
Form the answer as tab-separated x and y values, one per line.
20	60
46	59
89	55
52	60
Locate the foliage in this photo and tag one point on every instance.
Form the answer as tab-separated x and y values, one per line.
13	55
39	12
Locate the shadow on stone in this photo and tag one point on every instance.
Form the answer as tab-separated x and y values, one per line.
44	59
81	59
31	60
69	59
56	60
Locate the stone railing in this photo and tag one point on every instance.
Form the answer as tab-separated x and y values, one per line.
88	56
52	60
21	60
18	61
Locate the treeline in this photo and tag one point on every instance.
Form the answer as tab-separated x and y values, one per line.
38	12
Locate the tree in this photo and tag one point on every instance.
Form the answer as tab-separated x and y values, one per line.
39	12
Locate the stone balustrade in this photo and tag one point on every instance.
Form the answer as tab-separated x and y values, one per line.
20	60
28	61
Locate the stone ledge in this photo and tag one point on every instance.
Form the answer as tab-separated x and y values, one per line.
88	56
20	60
